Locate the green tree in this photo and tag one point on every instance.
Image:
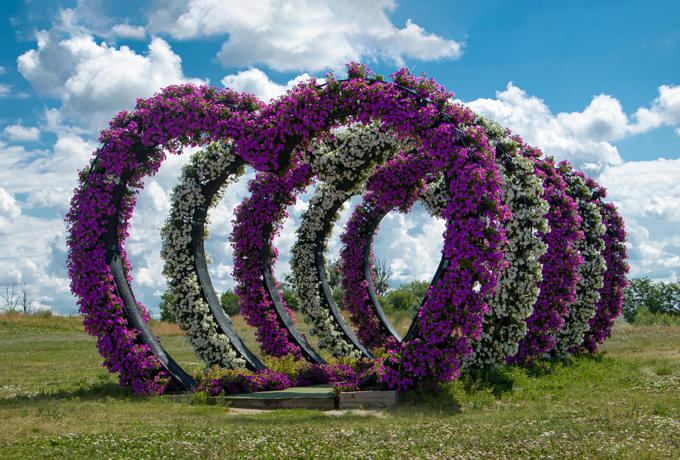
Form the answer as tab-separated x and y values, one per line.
229	301
400	299
656	298
334	273
166	300
290	297
418	289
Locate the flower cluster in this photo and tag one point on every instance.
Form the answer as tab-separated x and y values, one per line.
217	381
513	299
202	180
512	302
591	271
560	262
608	308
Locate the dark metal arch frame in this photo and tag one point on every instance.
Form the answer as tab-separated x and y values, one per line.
179	378
224	323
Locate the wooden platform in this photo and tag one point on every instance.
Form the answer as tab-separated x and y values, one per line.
314	397
319	397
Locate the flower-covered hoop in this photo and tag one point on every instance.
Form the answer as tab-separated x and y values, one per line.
560	262
590	272
517	289
358	149
259	216
196	307
614	283
102	206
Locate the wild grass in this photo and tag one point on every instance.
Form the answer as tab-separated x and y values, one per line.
57	401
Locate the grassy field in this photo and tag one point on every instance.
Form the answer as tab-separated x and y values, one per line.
56	401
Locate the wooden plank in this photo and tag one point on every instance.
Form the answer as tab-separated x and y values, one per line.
282	403
367	399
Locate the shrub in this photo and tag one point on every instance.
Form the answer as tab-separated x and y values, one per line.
229	302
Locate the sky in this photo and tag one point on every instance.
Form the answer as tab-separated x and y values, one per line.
595	83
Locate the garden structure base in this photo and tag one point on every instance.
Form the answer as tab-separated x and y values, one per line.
317	397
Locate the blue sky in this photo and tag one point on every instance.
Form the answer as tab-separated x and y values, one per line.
597	83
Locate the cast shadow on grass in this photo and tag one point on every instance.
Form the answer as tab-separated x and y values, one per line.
547	366
497	380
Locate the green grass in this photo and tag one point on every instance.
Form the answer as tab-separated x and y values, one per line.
57	401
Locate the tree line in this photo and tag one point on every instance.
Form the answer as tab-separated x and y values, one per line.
403	299
645	301
652	302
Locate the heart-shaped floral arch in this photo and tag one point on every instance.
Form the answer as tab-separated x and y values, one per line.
276	140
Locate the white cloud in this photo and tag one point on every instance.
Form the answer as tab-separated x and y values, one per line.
302	34
647	195
411	244
9	209
19	132
584	138
47	177
128	31
36	257
664	110
4	89
95	81
677	131
256	82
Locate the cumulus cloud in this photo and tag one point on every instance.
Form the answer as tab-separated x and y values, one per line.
37	244
9	209
45	177
302	34
128	31
19	132
647	195
411	244
256	82
95	80
664	110
584	138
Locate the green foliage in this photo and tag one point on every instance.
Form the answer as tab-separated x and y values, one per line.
407	297
229	302
333	271
167	299
290	298
400	299
644	317
337	297
656	297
